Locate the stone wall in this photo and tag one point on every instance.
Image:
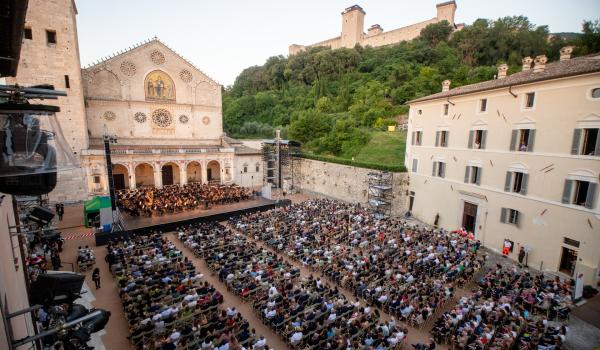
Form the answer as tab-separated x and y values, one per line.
346	183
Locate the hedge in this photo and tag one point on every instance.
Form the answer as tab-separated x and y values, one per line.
337	160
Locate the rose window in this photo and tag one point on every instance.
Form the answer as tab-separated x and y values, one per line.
162	118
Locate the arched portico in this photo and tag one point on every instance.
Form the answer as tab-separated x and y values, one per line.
144	175
194	172
120	177
213	172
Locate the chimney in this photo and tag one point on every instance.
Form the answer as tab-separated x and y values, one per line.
540	63
502	69
527	63
565	53
446	85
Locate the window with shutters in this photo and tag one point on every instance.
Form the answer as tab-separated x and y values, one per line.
586	142
522	140
510	216
441	138
483	105
516	182
439	169
477	139
415	165
257	166
580	192
96	179
417	138
473	175
581	189
529	100
446	108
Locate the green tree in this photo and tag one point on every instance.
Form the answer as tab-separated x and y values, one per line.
435	33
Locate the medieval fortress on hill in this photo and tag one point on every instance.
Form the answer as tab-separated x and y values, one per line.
353	22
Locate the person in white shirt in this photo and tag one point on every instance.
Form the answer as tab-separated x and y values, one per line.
296	338
260	343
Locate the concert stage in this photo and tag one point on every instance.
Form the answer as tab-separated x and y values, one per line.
170	222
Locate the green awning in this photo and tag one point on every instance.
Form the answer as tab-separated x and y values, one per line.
95	204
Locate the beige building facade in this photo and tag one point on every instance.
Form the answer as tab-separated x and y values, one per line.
50	55
353	21
165	113
166	116
515	160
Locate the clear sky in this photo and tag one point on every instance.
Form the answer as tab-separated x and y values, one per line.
224	37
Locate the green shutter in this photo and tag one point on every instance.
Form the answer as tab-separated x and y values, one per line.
483	138
471	135
576	139
524	182
591	194
513	140
503	213
531	140
467	173
566	198
478	179
437	138
433	169
597	148
507	181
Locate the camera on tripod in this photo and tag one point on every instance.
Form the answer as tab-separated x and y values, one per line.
32	146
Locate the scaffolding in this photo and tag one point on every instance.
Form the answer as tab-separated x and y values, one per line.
280	163
380	193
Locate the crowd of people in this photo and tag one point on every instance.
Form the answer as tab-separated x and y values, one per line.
175	198
368	265
168	305
304	310
510	309
407	271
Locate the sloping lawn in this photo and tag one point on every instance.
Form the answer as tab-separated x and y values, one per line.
384	148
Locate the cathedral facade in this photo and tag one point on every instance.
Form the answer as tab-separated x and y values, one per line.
164	113
166	117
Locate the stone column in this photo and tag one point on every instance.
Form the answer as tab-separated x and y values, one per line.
131	170
157	175
204	172
183	174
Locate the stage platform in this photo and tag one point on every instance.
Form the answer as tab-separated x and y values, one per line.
170	222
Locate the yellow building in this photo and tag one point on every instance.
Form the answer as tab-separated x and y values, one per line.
515	159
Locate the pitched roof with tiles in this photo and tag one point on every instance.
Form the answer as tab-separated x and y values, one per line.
555	70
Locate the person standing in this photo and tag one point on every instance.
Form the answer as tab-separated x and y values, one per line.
56	263
60	210
521	255
96	277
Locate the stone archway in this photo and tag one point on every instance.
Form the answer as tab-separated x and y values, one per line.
170	174
213	172
144	175
120	177
194	172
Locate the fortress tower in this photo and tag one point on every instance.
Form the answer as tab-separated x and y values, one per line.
353	21
50	55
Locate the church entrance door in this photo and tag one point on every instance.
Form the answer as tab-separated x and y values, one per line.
167	175
119	181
